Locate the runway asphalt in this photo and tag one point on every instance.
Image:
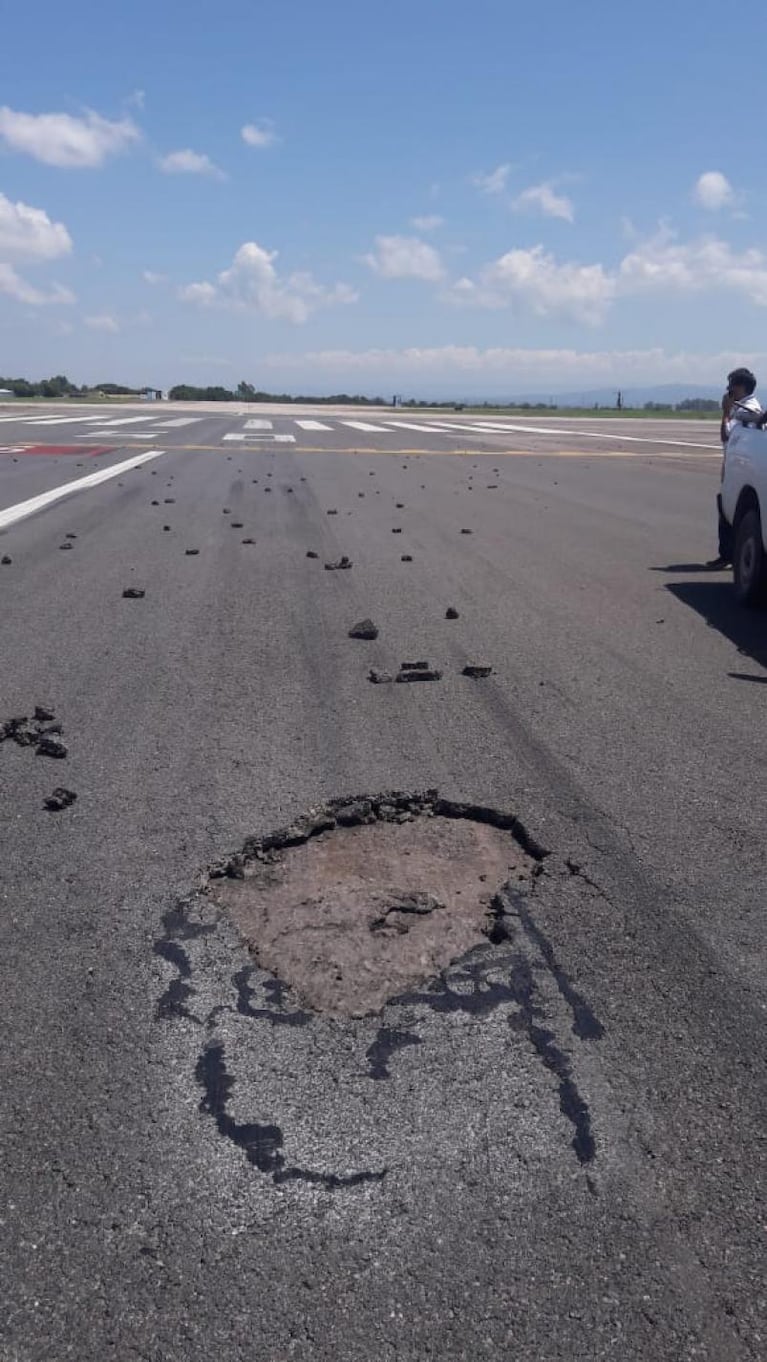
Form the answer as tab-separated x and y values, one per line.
556	1151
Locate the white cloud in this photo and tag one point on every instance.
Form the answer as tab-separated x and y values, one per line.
28	233
137	99
151	277
713	191
59	139
664	264
102	322
405	257
252	283
542	198
14	286
516	367
495	181
429	223
258	134
535	280
188	162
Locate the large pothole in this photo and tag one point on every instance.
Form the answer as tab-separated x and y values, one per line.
363	900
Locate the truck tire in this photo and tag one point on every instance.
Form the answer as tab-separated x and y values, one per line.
749	563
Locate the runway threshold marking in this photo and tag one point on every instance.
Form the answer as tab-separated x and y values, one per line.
509	429
12	514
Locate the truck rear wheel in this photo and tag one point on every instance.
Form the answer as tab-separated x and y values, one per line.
749	561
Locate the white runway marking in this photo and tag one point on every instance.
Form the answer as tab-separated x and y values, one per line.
128	420
407	425
22	509
614	436
234	436
285	439
312	425
259	425
363	425
61	420
181	421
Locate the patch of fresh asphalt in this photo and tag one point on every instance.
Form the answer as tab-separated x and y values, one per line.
449	1202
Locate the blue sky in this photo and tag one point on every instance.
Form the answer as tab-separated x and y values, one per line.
426	196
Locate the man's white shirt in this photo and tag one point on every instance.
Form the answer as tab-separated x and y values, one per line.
745	413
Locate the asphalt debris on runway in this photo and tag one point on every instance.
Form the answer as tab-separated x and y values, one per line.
451	613
61	798
311	554
341	564
476	670
51	745
364	629
412	673
379	678
134	593
191	553
406	558
6	560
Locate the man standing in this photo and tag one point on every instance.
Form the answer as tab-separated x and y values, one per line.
739	407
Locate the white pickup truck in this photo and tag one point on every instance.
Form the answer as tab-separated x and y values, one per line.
744	506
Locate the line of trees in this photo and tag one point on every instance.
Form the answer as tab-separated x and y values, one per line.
246	392
60	386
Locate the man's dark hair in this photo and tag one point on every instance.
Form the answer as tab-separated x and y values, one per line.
742	378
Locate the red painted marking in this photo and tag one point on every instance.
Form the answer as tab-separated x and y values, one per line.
68	449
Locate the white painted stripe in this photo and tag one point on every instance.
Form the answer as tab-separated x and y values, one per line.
259	425
363	425
284	439
406	425
312	425
62	420
129	420
22	509
614	436
182	421
235	437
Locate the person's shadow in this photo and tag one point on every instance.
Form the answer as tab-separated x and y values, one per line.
715	602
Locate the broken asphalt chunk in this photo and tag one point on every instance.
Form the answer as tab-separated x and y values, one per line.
398	530
406	558
6	560
451	613
133	593
248	541
66	546
311	554
60	799
51	746
467	531
423	674
333	512
340	563
236	524
44	715
414	666
475	670
364	629
379	678
191	553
